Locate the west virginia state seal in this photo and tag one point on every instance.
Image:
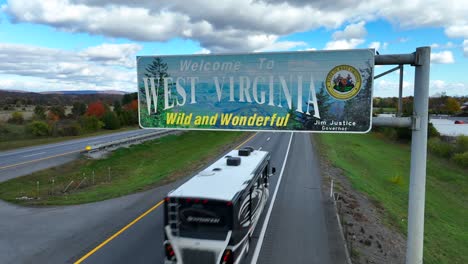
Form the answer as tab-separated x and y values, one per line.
343	82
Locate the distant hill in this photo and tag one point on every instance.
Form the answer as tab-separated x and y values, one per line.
11	97
86	92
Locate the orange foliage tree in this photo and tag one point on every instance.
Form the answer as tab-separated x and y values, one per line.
133	105
96	109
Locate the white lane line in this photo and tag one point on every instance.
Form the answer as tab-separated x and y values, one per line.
268	139
260	148
267	217
35	154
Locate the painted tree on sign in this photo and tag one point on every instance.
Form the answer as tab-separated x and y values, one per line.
157	70
358	108
323	99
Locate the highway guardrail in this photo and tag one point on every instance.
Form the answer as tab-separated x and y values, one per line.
127	141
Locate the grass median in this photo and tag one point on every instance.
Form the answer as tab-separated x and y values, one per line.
124	171
380	169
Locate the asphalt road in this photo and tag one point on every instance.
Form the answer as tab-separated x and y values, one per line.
297	225
18	162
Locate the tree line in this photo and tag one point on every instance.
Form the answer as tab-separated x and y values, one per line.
443	104
83	118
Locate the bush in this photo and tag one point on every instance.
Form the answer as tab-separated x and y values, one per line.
440	148
90	123
38	128
432	131
111	121
73	129
461	159
388	132
128	117
16	118
461	144
3	129
403	133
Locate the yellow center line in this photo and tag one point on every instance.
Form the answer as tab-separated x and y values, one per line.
36	160
119	232
134	221
247	140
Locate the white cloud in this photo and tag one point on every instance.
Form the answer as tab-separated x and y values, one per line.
343	44
448	45
443	57
353	31
389	88
92	67
457	31
282	45
352	36
203	51
113	54
241	25
450	88
374	45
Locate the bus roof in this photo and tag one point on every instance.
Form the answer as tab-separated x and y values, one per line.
222	184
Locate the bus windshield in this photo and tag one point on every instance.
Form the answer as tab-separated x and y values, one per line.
205	220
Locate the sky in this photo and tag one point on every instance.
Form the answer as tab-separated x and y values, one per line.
92	44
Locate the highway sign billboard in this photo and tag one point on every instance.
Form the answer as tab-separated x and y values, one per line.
314	91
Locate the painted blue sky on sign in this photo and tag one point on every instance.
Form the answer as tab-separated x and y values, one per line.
92	44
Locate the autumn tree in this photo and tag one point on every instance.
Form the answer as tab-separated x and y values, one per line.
58	110
452	106
96	109
16	118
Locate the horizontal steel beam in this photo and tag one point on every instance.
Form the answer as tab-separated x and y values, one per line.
392	121
395	59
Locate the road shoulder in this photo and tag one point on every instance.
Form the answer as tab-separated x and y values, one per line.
367	238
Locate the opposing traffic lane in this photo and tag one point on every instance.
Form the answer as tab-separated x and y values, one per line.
18	162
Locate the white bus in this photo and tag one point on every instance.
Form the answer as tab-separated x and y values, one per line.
211	218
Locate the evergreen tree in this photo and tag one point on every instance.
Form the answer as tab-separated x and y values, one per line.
39	112
79	109
117	107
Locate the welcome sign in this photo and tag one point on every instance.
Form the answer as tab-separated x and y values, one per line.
315	91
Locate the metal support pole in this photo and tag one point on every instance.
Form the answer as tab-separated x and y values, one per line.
400	94
414	247
386	72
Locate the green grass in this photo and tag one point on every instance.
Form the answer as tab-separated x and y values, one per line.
133	169
18	139
380	169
